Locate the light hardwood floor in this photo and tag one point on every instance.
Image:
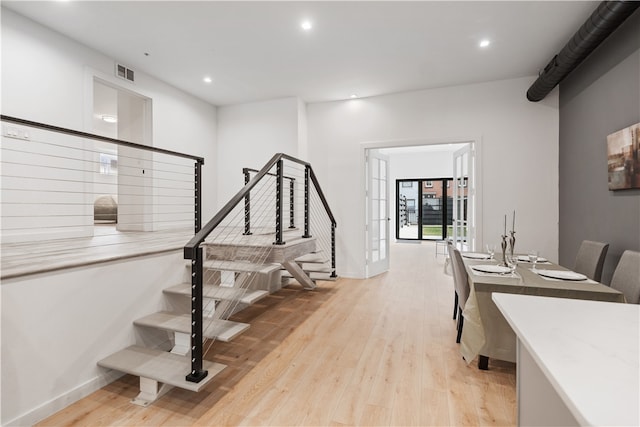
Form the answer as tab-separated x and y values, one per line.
376	352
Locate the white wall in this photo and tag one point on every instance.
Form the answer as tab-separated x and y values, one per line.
56	326
249	135
47	77
421	164
519	155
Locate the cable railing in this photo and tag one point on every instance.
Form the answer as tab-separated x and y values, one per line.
280	206
92	191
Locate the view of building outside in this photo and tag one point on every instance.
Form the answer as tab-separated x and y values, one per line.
436	198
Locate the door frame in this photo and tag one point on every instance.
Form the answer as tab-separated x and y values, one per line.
476	142
91	76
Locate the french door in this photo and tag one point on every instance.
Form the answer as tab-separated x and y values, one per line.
377	224
464	230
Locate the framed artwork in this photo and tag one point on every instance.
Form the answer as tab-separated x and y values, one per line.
623	158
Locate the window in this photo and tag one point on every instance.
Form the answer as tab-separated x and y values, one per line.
407	184
428	184
108	164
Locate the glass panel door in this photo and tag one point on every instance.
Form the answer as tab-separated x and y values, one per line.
463	213
425	220
432	209
407	209
378	213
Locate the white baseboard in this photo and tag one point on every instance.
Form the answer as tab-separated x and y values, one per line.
54	405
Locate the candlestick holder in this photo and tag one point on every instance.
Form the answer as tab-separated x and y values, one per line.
504	251
512	242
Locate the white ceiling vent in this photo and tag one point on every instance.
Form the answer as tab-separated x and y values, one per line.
124	72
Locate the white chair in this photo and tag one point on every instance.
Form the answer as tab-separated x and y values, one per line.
590	259
626	277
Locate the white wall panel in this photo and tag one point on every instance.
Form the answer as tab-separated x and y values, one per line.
249	135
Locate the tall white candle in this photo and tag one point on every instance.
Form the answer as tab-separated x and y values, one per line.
513	227
505	224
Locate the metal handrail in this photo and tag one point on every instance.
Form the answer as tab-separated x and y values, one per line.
97	137
193	251
245	170
190	247
199	161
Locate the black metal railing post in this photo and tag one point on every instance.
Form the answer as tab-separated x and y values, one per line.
197	374
247	204
333	250
279	185
197	196
292	208
306	234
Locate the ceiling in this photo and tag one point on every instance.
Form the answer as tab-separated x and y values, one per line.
257	51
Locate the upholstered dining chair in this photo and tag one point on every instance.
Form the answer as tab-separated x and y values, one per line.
450	248
590	259
626	277
461	285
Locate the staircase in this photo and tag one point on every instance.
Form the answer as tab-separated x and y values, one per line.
232	264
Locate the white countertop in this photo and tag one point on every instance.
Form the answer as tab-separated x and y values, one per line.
588	350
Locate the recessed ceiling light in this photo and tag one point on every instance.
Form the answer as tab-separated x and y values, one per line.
354	96
109	119
485	43
306	25
207	79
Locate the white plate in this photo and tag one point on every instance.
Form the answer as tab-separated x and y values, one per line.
490	268
561	274
525	258
475	255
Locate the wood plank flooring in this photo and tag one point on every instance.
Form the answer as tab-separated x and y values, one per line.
376	352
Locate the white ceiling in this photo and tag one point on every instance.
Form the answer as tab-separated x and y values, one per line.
257	51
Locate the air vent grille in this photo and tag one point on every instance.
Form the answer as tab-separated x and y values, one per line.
124	72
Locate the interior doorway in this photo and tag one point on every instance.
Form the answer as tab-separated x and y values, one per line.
121	114
410	159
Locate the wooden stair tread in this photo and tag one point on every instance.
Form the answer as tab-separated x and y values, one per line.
314	258
160	366
223	330
245	248
313	276
238	266
316	268
257	240
220	293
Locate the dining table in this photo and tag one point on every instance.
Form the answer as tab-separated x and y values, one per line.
486	334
